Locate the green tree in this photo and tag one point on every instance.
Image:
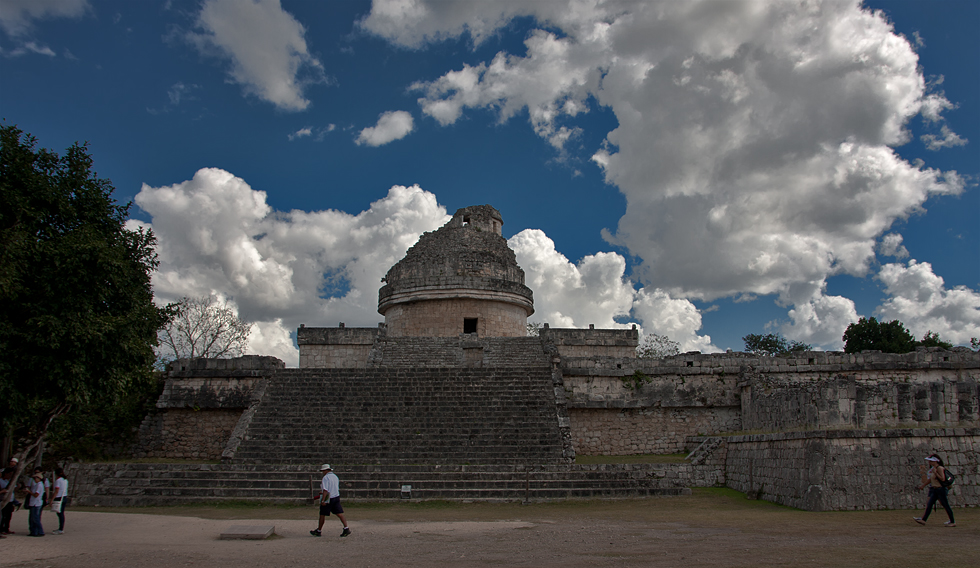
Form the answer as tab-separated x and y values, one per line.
931	339
657	347
773	345
870	334
77	318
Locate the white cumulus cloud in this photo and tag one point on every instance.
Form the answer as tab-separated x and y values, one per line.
947	139
919	299
596	291
266	46
217	234
392	125
891	245
821	321
754	143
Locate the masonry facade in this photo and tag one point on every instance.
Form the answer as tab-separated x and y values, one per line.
452	369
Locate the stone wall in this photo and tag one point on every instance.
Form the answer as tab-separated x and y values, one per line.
198	393
444	318
651	430
592	342
670	398
874	398
852	469
202	404
187	434
336	347
616	410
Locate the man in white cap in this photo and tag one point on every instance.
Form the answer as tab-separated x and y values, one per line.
330	500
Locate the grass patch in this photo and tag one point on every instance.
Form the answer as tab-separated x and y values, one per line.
637	458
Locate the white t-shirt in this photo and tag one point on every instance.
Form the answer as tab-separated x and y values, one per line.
60	487
331	484
36	487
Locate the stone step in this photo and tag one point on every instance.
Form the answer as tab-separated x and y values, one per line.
141	484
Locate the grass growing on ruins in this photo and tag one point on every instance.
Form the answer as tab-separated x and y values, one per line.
638	458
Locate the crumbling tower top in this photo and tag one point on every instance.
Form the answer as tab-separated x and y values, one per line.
462	278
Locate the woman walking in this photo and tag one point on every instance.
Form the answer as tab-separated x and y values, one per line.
937	492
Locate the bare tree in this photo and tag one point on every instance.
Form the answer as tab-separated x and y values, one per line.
657	347
203	327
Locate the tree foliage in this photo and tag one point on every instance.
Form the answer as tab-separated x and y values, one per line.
868	334
773	345
203	327
77	319
932	339
656	346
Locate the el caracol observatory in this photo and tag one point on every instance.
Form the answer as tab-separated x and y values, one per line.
462	278
450	398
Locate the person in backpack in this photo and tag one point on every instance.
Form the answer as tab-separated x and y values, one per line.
935	478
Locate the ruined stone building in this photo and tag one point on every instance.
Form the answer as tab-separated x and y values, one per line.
449	398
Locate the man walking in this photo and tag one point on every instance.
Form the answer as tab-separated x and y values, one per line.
330	500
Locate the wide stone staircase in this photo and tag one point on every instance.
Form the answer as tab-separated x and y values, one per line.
407	416
129	484
392	433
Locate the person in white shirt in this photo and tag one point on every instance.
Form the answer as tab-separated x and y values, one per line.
35	501
330	500
58	502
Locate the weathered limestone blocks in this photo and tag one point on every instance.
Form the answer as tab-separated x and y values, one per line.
493	315
462	278
938	397
852	469
187	434
581	343
645	430
628	390
336	347
202	403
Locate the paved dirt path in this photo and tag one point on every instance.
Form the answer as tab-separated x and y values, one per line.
660	532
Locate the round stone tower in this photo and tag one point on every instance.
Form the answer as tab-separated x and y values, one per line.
462	278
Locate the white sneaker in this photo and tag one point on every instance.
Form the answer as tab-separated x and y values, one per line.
57	532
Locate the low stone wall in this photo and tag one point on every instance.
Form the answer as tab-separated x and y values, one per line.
336	347
852	469
591	342
334	356
653	430
180	433
202	403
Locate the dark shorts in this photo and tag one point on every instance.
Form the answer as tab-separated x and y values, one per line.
333	506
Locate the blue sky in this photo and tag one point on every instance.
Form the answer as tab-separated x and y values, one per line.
705	170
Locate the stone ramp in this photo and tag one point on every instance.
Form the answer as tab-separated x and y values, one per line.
406	415
126	484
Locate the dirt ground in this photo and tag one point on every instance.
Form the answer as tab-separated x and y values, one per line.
709	528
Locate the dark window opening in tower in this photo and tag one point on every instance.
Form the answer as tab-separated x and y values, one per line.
469	325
